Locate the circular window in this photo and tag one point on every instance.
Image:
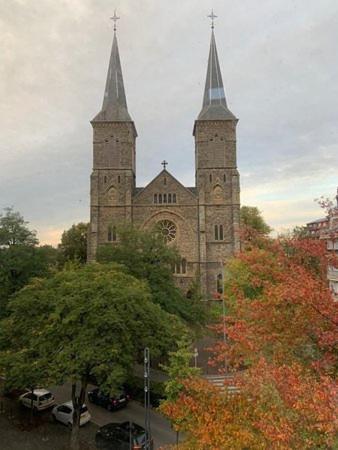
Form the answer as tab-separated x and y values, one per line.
167	229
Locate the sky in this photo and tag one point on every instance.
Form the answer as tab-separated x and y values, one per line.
280	70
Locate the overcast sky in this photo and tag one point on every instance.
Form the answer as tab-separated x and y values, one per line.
280	70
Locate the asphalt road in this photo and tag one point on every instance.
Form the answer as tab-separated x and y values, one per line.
160	428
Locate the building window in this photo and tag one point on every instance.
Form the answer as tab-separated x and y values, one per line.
164	181
119	179
167	229
112	236
155	198
174	198
219	283
180	267
216	233
169	198
210	178
164	198
221	236
105	179
160	198
219	233
224	178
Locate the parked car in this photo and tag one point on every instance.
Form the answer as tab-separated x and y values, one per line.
39	399
110	402
121	436
64	414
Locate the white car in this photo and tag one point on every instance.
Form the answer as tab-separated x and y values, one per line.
42	399
64	413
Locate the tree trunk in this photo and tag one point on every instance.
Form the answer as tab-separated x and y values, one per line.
78	401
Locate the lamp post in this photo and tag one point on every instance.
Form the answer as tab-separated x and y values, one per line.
147	397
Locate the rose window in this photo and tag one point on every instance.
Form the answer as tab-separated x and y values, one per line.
167	229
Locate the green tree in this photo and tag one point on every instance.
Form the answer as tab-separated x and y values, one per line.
73	246
92	321
20	263
14	230
20	257
251	217
147	257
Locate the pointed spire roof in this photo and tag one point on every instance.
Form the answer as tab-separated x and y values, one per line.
114	107
214	101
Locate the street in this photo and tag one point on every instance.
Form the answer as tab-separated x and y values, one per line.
134	412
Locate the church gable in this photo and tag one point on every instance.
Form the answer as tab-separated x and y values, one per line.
164	190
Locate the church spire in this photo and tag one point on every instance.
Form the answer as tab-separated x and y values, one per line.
214	101
114	107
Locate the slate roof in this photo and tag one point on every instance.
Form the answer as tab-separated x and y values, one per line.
114	107
214	101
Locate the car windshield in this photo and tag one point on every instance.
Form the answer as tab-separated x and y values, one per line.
140	439
44	397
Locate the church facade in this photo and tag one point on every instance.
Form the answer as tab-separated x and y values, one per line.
201	221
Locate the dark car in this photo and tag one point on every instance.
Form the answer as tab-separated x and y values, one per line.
121	436
107	401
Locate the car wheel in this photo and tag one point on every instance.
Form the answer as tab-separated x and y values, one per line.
69	425
53	417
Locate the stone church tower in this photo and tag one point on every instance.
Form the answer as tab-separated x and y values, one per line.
201	221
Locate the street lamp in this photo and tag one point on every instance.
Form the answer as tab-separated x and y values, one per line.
147	397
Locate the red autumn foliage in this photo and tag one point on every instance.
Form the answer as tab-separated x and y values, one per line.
282	333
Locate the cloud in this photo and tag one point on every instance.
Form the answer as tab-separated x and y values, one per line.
279	68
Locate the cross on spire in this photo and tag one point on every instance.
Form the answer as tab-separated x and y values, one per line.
115	18
212	16
164	164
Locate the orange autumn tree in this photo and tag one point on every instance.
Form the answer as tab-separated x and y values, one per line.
281	327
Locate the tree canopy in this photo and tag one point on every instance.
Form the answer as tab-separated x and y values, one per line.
147	257
251	217
281	326
73	246
14	230
92	321
20	257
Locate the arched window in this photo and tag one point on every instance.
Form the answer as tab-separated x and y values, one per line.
174	198
160	198
216	233
210	178
224	178
221	235
178	267
105	179
155	198
112	236
164	181
169	198
119	179
164	198
219	283
184	265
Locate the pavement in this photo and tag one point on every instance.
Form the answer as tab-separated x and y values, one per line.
161	430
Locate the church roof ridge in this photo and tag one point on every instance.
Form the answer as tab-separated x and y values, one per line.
114	107
214	101
139	190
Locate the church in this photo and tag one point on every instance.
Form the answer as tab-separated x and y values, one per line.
202	221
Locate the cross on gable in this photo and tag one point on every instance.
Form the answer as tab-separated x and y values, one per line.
164	164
